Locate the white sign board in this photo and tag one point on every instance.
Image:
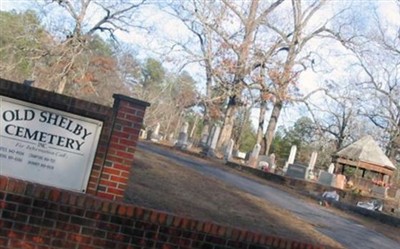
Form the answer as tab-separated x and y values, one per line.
45	145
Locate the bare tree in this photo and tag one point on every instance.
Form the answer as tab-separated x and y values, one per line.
289	58
338	116
76	37
379	81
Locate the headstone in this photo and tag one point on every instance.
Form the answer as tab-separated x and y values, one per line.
204	136
239	154
171	137
155	137
313	160
183	137
263	162
228	151
331	168
311	165
339	181
272	163
254	156
291	158
185	127
247	156
325	178
210	137
296	171
212	141
386	179
156	129
142	134
397	196
379	191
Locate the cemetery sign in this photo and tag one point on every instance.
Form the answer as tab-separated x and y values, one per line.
45	145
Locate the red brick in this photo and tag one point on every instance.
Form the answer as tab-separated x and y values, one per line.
122	167
16	186
20	244
121	115
105	195
119	134
128	142
108	183
72	199
283	243
131	130
125	155
105	176
114	159
37	239
130	211
133	118
269	241
162	218
276	242
122	186
15	235
80	238
249	237
207	228
221	231
214	229
153	217
3	182
116	146
122	210
177	221
118	179
115	191
86	247
55	195
125	174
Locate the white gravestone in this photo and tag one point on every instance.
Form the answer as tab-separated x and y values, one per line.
204	135
273	164
254	156
331	168
183	137
291	158
213	141
155	137
228	150
210	136
311	165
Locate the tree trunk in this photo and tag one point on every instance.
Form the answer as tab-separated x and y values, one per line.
261	121
269	135
227	128
242	127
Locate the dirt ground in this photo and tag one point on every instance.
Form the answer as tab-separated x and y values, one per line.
158	183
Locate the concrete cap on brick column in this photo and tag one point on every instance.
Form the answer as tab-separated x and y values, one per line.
118	97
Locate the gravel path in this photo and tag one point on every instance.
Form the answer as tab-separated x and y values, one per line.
347	232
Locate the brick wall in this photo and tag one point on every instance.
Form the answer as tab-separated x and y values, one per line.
41	217
121	125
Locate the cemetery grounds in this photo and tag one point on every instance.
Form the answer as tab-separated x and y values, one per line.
158	183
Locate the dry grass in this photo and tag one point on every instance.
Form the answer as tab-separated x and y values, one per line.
158	183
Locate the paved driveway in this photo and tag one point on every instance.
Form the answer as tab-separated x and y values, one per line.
349	233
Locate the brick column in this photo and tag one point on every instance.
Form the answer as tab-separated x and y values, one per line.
128	119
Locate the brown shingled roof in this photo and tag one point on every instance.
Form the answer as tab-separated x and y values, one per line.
366	150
